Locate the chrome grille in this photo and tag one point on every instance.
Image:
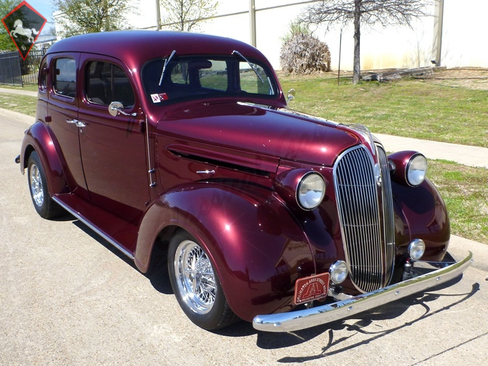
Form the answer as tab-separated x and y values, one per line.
365	207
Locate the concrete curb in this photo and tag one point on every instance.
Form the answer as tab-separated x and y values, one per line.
459	246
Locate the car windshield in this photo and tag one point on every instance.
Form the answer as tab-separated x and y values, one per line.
199	77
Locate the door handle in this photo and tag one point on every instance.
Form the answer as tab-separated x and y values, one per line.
76	122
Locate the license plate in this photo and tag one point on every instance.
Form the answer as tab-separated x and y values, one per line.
311	288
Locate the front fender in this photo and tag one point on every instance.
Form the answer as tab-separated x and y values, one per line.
37	138
257	248
421	213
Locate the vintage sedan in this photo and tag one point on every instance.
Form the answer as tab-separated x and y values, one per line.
183	144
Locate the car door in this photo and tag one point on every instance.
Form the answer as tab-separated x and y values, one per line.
62	117
113	148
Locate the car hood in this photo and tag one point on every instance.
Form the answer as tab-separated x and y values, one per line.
253	135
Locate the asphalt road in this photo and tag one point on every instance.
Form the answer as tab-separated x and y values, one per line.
67	298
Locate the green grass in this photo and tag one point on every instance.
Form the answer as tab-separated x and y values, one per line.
465	191
408	108
18	103
25	87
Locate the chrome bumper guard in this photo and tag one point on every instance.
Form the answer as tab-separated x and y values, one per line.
302	319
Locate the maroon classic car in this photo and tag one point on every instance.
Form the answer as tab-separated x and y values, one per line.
183	143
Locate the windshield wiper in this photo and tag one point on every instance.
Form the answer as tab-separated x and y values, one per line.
253	67
166	62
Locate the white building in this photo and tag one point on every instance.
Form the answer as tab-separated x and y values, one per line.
394	47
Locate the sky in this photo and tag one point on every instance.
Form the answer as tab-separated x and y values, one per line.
462	30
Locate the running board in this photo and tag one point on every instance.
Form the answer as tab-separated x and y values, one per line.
116	228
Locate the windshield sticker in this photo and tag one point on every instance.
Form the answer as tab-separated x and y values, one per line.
158	98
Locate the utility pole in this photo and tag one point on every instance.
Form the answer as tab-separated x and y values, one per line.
438	25
158	15
252	21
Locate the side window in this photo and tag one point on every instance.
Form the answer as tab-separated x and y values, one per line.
64	82
42	82
106	83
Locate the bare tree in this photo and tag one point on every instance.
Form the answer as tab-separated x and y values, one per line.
90	16
364	12
185	15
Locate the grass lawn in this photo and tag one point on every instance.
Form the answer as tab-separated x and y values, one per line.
465	191
408	108
18	103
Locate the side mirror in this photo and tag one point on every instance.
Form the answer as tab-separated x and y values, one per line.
291	94
116	108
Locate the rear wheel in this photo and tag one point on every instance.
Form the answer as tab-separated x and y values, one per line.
196	285
43	203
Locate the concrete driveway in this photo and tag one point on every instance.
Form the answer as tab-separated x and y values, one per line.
68	298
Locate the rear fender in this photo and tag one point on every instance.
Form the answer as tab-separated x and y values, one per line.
255	245
37	138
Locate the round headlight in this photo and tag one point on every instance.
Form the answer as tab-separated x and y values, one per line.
416	249
416	169
310	191
338	272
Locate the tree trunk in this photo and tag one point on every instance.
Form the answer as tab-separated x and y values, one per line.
357	42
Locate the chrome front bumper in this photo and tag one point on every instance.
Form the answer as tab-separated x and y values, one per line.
302	319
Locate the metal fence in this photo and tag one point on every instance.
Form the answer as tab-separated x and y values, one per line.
30	66
18	72
10	70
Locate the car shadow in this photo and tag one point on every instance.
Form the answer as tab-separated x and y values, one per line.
158	276
361	325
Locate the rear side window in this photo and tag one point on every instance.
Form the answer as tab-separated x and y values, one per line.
43	77
106	83
65	77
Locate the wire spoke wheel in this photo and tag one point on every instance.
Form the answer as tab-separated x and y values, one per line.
36	186
195	277
196	284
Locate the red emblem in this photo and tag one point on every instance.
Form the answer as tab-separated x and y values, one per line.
311	288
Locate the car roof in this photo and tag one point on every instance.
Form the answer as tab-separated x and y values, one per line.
136	47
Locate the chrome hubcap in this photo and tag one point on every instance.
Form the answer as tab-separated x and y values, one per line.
195	277
36	185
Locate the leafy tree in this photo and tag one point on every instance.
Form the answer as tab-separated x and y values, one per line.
6	6
368	12
185	15
90	16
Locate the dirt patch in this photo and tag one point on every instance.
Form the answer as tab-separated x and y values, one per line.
468	77
475	78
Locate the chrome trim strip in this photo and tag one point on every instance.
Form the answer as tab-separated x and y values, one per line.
92	226
302	319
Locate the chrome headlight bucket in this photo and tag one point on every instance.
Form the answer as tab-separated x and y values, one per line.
338	272
310	190
416	170
416	249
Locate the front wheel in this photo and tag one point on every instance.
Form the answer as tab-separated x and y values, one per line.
196	285
43	203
